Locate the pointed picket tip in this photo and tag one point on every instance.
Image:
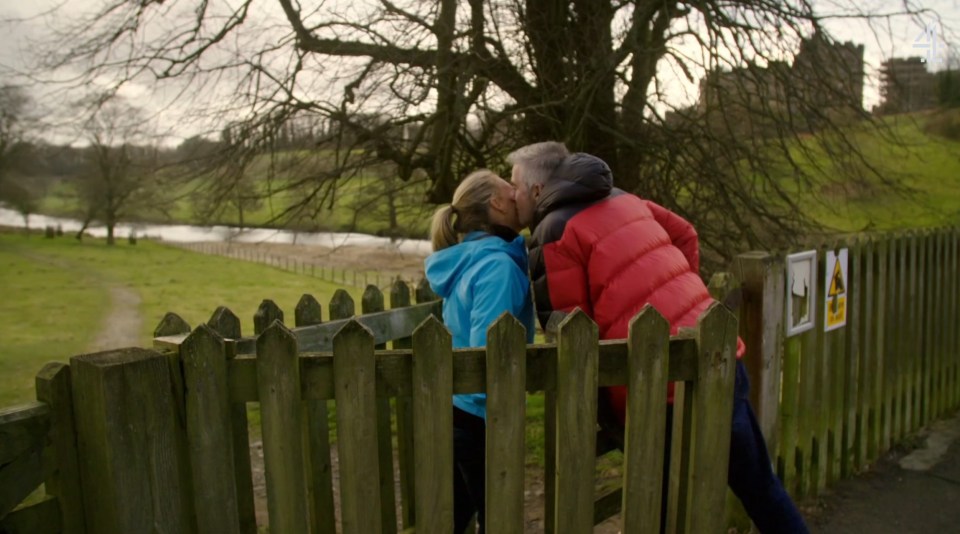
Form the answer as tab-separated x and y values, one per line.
352	329
506	325
308	311
716	314
267	313
171	325
649	320
342	305
202	337
577	319
372	299
431	328
425	292
399	293
276	334
225	322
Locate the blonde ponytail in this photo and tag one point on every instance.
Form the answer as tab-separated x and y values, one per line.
470	208
442	234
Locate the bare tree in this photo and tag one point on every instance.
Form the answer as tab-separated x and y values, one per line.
476	79
120	175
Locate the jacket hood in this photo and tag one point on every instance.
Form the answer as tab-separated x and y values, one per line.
580	178
443	268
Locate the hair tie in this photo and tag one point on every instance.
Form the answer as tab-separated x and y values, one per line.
454	210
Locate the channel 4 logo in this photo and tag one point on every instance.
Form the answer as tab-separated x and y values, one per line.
927	41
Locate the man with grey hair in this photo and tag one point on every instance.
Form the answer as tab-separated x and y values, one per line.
610	253
532	167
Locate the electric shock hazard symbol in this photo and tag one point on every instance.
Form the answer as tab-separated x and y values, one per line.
835	314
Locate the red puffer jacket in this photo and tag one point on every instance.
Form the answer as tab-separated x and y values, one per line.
610	253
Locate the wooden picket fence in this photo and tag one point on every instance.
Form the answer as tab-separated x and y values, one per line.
832	403
140	440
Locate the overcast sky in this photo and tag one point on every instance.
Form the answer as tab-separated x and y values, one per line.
24	20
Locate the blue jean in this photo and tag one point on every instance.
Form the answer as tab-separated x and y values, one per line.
750	474
469	442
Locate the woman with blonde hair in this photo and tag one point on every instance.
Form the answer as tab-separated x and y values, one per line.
479	268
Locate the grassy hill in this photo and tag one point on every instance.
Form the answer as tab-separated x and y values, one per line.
918	154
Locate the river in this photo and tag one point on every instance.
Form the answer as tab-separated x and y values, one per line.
184	233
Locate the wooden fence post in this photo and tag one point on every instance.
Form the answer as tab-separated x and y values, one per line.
761	275
400	298
432	385
266	314
171	325
372	302
225	323
209	436
63	481
424	292
712	397
278	384
317	431
134	473
506	409
577	377
647	368
354	366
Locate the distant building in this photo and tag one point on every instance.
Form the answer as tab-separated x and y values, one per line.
906	85
825	81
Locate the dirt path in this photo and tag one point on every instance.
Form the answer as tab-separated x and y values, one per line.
121	326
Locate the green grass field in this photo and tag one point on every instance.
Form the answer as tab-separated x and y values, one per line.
55	295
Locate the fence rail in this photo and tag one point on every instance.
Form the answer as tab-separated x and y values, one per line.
382	278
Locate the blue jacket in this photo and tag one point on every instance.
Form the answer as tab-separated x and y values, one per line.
479	279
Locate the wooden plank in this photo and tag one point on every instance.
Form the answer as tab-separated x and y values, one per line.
323	518
577	370
953	347
506	411
879	321
790	414
209	435
19	477
889	345
385	326
355	369
712	396
43	517
864	312
227	325
822	391
929	291
400	298
913	346
372	302
869	363
938	326
63	478
935	304
851	391
278	376
645	429
22	428
762	330
836	380
902	357
433	432
129	438
809	416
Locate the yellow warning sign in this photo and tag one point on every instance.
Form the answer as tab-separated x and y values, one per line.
836	301
837	287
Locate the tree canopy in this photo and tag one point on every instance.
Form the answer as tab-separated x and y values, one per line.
442	87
